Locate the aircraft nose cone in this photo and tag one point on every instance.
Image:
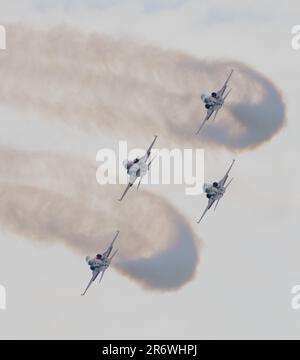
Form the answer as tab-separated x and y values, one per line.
206	187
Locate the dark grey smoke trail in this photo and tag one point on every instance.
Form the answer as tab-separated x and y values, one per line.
171	266
36	202
118	86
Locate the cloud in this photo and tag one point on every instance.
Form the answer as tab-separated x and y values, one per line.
118	88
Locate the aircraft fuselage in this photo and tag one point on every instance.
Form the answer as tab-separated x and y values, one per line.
216	192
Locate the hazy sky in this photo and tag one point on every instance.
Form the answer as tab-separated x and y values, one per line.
248	250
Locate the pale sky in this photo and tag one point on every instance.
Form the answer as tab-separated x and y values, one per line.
248	249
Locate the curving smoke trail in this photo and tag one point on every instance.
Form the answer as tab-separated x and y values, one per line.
100	83
36	202
172	267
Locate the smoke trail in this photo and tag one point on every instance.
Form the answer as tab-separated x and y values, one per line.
170	266
37	203
103	84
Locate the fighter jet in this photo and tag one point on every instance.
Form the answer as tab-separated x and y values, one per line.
216	191
100	263
138	168
214	102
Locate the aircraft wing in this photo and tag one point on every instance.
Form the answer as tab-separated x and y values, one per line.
109	250
150	148
224	179
209	205
96	272
132	180
207	117
126	190
221	92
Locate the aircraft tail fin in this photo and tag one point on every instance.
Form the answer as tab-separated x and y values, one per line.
217	203
216	113
151	161
228	92
101	277
229	183
113	255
